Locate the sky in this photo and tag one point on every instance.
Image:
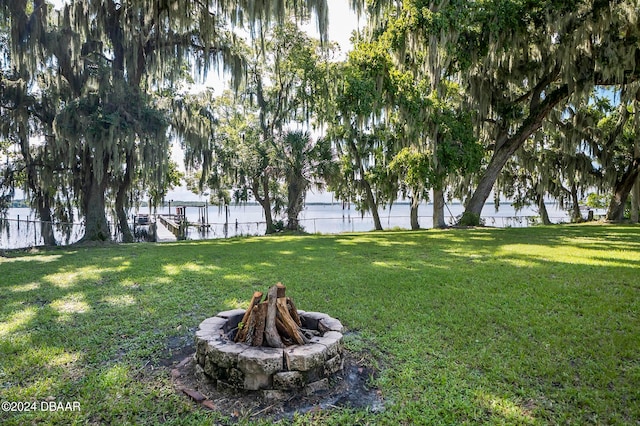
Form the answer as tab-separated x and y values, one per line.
342	22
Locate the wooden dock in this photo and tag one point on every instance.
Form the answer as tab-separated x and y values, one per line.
164	229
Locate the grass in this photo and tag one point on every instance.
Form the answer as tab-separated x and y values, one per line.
499	326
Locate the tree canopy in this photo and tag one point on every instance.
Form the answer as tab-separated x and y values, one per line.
93	78
437	99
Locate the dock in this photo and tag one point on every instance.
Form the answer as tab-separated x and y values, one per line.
163	231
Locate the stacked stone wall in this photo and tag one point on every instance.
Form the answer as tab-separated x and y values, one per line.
274	372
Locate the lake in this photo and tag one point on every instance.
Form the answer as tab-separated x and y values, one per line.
19	229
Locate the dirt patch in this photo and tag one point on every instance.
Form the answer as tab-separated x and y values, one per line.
178	348
349	389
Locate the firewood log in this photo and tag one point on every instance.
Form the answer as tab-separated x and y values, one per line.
293	311
261	319
249	328
241	336
270	331
291	329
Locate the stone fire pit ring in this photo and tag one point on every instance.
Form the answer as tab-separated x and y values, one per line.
275	372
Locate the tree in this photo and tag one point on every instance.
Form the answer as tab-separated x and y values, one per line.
619	157
416	176
635	198
6	179
606	135
593	146
23	121
252	151
288	80
457	151
518	61
100	62
555	163
358	124
422	108
223	139
304	163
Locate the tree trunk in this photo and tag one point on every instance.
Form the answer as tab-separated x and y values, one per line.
415	203
96	225
635	196
623	187
121	198
264	201
373	205
576	215
46	221
123	222
438	209
369	197
542	209
42	199
498	160
635	202
296	188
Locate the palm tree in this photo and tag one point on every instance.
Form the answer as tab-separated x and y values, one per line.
304	163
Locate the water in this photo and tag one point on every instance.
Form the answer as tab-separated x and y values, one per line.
333	219
249	220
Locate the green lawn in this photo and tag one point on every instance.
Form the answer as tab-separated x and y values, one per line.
498	326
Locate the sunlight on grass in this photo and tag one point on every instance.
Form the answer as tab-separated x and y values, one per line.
172	269
243	278
387	264
115	377
504	408
68	279
378	239
16	321
571	255
236	304
24	287
48	360
121	300
161	280
191	267
29	259
129	283
71	304
62	359
114	380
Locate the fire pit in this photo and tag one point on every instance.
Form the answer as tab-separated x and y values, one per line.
308	347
